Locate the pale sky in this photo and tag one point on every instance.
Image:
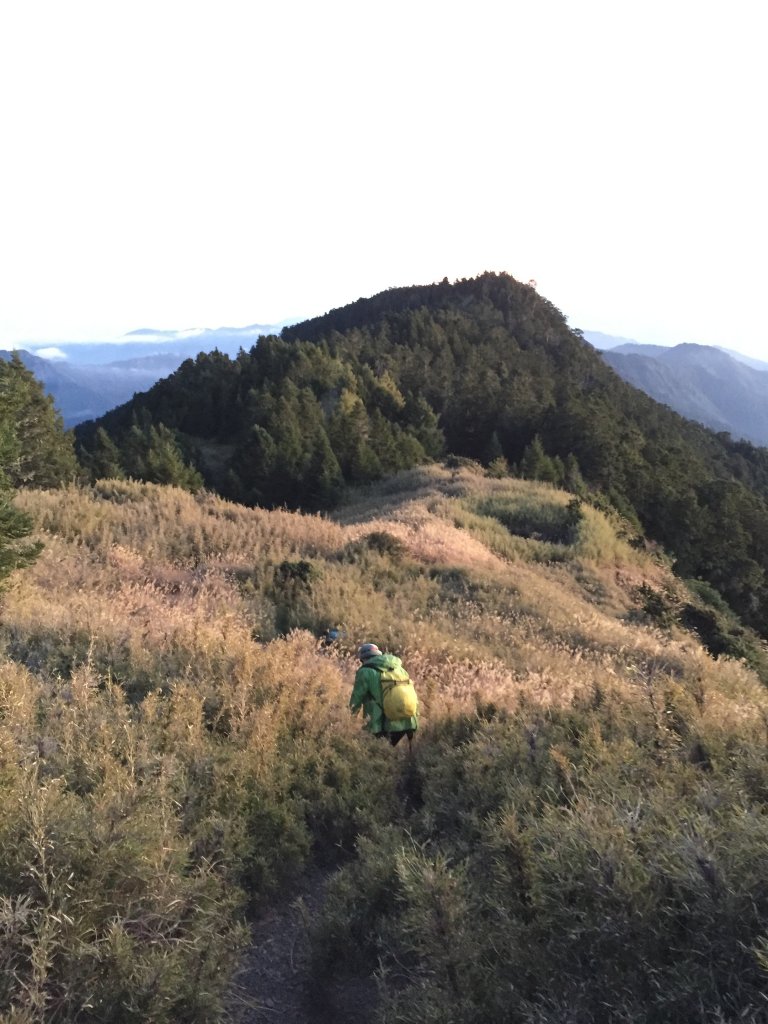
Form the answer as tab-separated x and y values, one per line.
204	163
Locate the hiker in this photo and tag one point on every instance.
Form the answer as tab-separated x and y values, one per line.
332	636
385	692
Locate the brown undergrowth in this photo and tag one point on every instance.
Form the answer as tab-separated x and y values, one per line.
175	751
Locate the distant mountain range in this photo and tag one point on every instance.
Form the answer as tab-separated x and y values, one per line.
722	389
87	379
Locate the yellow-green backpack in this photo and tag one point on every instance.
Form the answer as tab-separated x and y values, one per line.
398	694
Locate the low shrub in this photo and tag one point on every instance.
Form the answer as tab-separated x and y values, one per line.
611	865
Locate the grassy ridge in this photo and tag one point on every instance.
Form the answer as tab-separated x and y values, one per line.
582	831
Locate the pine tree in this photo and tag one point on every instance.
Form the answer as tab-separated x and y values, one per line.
323	481
253	464
573	480
134	452
37	450
536	464
348	430
422	421
165	462
104	462
493	450
15	526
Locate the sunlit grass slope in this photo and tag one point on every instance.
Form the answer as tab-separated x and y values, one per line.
587	790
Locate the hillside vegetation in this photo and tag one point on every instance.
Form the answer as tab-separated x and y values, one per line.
485	369
580	835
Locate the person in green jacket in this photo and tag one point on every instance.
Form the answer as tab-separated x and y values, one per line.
368	694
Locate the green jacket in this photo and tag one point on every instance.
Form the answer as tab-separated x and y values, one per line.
366	694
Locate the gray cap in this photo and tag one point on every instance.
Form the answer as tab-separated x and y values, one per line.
366	651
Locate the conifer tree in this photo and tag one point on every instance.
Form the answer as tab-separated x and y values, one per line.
423	421
253	464
134	452
165	462
536	464
324	480
15	526
104	462
348	430
37	450
493	450
573	480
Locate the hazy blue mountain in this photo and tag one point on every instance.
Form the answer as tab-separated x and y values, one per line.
610	341
147	342
81	392
87	379
626	345
756	364
701	382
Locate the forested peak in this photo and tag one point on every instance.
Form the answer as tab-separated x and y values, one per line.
511	299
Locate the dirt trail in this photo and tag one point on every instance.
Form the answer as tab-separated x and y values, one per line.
274	982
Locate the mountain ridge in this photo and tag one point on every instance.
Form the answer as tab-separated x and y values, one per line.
607	342
701	382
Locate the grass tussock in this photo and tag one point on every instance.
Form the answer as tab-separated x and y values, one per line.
581	835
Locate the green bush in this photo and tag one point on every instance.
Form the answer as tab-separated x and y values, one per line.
610	865
531	518
385	544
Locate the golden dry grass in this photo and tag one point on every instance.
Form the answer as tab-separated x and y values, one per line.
171	743
143	571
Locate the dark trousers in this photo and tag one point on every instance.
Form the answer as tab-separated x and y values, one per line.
395	737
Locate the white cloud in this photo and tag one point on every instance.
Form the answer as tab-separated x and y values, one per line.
50	352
